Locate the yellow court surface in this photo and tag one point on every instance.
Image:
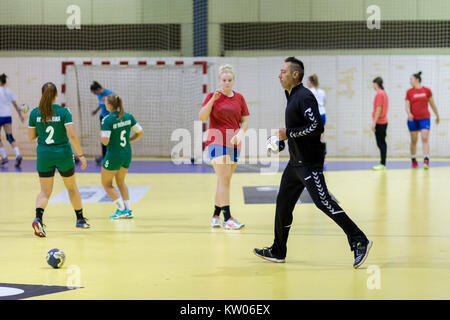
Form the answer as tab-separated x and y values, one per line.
169	250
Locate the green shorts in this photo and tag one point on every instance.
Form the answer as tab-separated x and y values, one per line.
59	158
112	162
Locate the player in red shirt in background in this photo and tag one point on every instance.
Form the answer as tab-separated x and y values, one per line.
228	120
380	122
417	99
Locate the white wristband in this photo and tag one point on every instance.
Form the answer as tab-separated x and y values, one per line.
137	128
106	134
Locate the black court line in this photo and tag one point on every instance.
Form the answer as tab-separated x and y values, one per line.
31	290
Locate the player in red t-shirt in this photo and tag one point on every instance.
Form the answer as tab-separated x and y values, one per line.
417	99
380	122
228	120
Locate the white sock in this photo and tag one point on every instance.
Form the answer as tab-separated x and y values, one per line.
119	203
127	204
2	152
16	150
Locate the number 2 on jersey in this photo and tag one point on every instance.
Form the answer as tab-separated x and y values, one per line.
50	130
123	140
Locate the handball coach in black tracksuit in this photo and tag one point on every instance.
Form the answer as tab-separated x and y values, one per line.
305	168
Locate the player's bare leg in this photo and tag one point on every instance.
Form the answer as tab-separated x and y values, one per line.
424	135
8	132
413	147
107	182
3	156
224	168
46	192
124	192
41	204
75	200
74	193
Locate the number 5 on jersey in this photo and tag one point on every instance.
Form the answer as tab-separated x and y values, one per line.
123	140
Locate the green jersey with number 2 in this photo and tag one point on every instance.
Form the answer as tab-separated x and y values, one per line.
51	135
54	149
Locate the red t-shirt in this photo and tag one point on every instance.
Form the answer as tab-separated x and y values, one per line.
418	98
225	117
381	99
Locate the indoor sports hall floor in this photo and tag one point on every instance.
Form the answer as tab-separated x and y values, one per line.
169	251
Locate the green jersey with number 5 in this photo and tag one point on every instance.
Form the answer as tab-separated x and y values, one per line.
52	135
118	131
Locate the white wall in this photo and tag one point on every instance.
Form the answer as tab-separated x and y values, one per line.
347	81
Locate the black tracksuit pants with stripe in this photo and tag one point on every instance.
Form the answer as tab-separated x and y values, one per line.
294	180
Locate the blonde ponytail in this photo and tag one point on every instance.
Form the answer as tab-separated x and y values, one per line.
116	102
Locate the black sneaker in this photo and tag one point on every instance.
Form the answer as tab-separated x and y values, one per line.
18	161
4	160
81	223
361	252
99	159
266	254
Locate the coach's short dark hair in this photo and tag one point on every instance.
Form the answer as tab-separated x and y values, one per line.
95	86
296	65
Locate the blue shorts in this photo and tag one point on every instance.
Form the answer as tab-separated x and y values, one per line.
324	118
215	150
417	125
5	120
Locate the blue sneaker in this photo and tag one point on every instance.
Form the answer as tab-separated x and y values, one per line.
130	214
119	214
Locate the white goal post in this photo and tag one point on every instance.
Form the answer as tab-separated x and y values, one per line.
162	96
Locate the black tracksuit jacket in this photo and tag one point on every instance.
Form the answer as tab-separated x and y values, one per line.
303	128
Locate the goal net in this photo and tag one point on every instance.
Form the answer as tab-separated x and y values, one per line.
162	98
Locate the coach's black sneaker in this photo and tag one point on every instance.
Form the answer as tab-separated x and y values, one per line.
18	161
266	254
81	223
361	252
4	160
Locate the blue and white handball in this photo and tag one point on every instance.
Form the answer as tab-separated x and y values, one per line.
275	145
24	108
56	258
